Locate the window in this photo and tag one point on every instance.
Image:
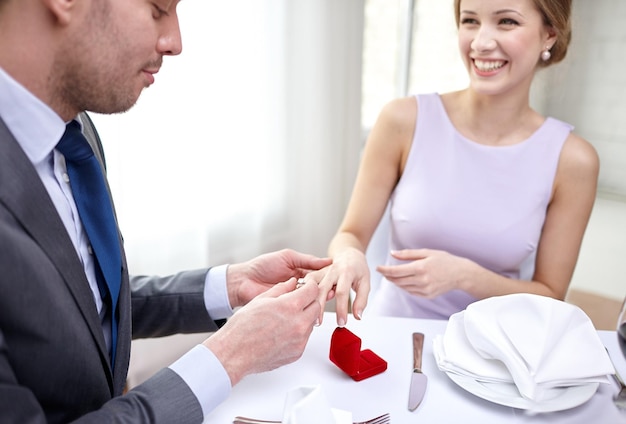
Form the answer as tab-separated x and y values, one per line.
409	47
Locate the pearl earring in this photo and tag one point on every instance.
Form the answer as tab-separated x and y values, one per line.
546	55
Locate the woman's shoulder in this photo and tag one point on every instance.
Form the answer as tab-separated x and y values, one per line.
577	172
399	113
403	111
400	107
580	153
393	132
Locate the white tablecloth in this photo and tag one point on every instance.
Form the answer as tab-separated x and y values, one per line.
263	395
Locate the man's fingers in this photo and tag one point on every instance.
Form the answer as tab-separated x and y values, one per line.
303	295
309	263
280	288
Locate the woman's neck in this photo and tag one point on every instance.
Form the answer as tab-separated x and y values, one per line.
492	120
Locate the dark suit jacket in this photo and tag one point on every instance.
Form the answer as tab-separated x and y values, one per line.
54	365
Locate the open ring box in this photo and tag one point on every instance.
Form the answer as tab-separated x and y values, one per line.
346	353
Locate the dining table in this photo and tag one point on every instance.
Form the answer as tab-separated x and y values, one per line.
263	395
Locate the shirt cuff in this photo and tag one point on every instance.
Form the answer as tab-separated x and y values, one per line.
216	294
205	376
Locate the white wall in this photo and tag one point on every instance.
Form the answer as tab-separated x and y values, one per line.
589	91
600	267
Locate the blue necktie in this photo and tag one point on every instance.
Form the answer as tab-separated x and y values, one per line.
96	213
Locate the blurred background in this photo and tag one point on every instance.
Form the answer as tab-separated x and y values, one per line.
250	140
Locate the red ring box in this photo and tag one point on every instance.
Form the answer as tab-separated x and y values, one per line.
346	353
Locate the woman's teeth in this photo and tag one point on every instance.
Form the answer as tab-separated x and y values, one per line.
487	66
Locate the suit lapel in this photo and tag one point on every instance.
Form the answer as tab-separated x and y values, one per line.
124	303
23	193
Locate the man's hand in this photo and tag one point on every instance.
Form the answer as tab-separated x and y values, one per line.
270	331
247	280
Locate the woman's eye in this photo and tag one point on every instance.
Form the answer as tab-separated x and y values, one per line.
469	21
508	21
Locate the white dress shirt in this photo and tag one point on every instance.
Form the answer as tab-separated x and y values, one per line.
19	108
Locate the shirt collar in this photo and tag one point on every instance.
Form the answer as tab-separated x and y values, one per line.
35	126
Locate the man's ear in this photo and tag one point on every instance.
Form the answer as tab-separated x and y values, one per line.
61	10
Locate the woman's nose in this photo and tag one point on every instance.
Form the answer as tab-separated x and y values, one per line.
484	40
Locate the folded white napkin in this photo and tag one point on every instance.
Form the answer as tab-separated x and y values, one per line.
309	405
538	343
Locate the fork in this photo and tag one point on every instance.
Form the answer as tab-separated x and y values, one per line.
620	398
383	419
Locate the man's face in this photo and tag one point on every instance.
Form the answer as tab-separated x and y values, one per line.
117	47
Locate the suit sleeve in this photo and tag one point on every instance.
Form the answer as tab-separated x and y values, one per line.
28	410
162	306
164	398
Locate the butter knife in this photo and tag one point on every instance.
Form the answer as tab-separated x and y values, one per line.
419	381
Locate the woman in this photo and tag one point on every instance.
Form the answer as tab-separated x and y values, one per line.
487	197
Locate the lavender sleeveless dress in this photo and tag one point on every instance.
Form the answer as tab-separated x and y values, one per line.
480	202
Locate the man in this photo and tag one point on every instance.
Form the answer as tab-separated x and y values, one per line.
64	334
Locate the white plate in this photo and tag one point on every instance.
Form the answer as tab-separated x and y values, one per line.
507	394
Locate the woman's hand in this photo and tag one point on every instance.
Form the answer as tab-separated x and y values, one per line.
428	273
349	270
